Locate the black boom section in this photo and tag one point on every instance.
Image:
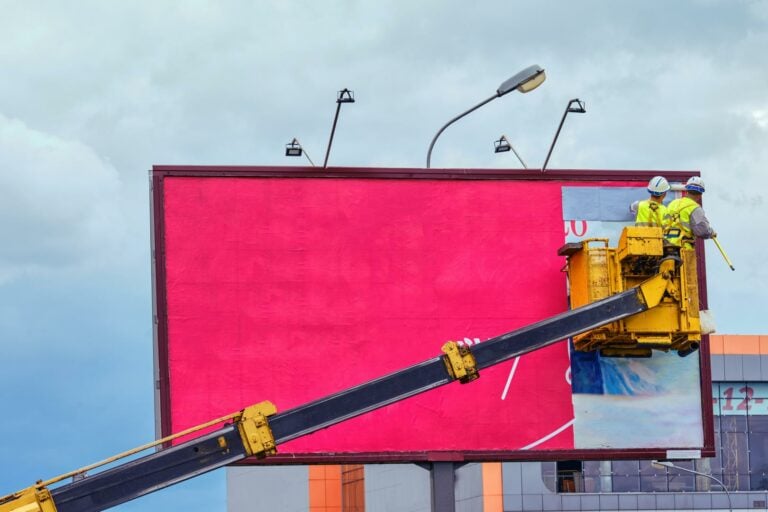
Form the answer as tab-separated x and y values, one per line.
432	373
151	473
358	400
564	325
224	446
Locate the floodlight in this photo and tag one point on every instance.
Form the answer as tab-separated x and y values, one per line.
294	148
503	145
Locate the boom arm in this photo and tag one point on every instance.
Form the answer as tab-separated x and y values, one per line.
252	434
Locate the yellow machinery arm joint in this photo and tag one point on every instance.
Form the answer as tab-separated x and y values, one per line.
254	429
459	362
653	289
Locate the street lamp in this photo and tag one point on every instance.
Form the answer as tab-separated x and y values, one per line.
666	464
503	145
343	96
294	148
575	105
524	81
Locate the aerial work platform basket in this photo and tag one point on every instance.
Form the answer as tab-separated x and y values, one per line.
596	271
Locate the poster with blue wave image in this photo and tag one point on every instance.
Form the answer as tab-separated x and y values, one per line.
622	403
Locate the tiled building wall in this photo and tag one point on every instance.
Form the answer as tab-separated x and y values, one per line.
739	357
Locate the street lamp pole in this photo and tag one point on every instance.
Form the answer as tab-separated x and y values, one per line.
579	109
667	464
524	81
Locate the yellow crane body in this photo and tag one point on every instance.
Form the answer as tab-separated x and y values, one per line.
596	271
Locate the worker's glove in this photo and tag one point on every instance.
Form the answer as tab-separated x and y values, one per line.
713	235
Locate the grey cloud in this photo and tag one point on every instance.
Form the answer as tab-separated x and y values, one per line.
58	204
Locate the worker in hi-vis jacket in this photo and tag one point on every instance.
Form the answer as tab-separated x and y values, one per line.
685	218
651	211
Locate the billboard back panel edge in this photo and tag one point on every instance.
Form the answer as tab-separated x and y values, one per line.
165	350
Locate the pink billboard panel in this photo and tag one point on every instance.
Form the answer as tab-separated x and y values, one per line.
274	284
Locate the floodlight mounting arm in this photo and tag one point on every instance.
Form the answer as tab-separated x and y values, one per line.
579	109
512	147
307	155
344	96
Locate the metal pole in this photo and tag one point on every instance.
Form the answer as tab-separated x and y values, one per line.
443	480
449	123
543	167
333	130
307	155
518	156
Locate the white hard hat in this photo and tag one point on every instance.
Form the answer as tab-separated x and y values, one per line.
695	184
658	186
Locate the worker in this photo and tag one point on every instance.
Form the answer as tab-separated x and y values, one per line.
685	219
651	211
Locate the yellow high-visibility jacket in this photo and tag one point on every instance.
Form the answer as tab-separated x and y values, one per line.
650	213
677	222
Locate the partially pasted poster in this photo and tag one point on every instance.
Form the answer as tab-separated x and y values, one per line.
662	392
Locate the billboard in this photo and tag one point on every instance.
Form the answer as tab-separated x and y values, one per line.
290	284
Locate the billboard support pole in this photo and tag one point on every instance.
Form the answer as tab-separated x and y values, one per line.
442	479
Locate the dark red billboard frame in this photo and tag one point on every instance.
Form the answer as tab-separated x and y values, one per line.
162	377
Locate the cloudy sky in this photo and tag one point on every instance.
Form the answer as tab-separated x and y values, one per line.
92	94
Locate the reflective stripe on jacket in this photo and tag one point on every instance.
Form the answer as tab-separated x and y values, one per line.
650	213
677	222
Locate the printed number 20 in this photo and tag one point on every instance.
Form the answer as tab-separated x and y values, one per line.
575	227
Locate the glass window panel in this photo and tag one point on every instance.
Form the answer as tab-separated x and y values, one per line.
549	475
760	389
735	454
757	406
732	398
599	474
648	469
736	481
686	464
716	463
733	423
736	406
625	467
592	484
704	484
758	423
682	482
591	468
744	481
758	481
657	483
708	467
626	483
758	455
715	396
